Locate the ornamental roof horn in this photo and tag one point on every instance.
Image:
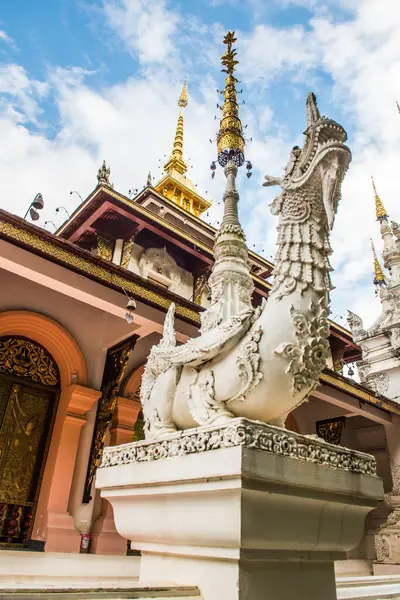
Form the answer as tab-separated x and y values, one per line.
381	214
379	278
230	138
103	175
175	161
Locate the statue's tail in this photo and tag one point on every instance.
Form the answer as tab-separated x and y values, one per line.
169	338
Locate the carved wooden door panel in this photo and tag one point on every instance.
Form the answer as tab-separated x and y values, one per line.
27	410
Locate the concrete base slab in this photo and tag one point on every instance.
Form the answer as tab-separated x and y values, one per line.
242	510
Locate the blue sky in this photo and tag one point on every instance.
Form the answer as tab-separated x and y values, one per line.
83	80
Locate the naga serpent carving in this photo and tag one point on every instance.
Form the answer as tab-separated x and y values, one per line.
259	363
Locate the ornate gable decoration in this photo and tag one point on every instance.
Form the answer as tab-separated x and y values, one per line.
157	264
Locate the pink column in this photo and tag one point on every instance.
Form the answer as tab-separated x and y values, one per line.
61	533
105	539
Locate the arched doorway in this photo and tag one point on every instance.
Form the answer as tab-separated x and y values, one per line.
29	392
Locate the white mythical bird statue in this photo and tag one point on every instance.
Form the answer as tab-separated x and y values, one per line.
256	363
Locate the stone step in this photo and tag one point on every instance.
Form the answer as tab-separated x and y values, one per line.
141	593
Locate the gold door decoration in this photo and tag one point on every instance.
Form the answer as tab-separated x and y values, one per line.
330	430
28	393
114	369
28	360
138	430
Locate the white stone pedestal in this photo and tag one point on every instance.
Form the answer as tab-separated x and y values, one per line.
243	511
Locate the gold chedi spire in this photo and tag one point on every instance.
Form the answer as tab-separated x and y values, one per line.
176	162
230	140
379	278
380	210
175	185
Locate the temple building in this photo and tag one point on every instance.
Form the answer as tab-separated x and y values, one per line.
379	369
79	312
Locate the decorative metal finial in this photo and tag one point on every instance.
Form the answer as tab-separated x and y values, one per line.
175	161
380	210
230	139
398	106
149	180
103	175
379	278
183	98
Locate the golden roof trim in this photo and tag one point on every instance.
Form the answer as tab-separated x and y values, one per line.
85	265
341	328
161	221
136	205
364	395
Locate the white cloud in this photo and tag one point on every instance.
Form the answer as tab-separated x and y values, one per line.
4	37
269	51
20	95
147	27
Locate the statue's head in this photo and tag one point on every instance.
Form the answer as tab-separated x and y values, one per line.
324	158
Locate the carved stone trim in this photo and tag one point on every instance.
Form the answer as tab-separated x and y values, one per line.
242	432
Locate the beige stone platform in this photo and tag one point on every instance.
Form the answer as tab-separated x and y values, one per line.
243	510
59	570
368	588
142	593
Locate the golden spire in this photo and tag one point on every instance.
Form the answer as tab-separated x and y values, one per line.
381	213
379	277
175	161
230	140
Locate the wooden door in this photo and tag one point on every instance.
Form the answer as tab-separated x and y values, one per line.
28	399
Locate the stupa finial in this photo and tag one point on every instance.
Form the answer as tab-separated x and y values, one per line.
379	278
175	161
380	210
230	140
149	183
